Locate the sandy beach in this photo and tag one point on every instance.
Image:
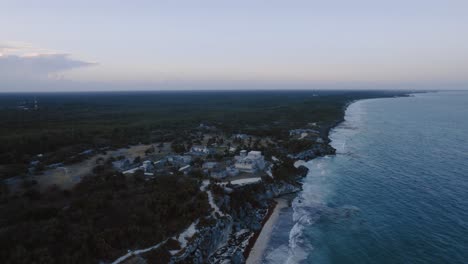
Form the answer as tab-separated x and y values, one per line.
256	254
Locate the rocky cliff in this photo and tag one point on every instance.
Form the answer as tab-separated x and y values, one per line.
206	241
227	239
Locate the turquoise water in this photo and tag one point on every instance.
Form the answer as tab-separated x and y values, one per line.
396	192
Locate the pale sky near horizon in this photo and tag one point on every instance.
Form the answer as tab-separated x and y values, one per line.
86	45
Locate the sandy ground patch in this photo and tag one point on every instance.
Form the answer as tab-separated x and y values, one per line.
67	176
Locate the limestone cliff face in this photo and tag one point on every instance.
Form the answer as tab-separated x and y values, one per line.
316	151
226	240
206	242
274	190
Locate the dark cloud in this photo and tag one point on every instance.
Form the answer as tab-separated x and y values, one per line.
41	66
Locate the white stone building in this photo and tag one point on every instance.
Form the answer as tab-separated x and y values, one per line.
251	162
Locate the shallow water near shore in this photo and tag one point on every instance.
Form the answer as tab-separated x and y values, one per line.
396	192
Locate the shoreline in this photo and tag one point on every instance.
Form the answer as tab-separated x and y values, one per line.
255	254
340	137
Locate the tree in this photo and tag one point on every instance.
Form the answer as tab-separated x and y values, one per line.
150	150
4	190
137	160
178	147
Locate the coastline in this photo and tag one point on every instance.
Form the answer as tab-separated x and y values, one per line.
255	252
255	255
347	183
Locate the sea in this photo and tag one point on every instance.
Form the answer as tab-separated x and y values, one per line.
395	192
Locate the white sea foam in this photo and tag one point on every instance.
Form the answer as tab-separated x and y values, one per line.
345	131
278	255
310	204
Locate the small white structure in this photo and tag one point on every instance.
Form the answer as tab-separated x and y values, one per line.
131	171
240	136
199	150
232	149
251	162
246	181
185	169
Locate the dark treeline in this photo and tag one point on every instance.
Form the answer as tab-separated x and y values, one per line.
100	219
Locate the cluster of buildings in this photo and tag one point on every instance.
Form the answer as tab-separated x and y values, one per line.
200	150
27	105
147	167
202	159
252	162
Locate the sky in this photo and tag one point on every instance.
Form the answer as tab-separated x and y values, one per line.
56	45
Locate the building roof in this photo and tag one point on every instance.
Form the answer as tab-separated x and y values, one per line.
184	167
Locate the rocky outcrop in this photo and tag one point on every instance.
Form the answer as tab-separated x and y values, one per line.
233	251
274	190
206	242
316	151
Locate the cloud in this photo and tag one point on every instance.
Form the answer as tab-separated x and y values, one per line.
37	66
13	47
22	62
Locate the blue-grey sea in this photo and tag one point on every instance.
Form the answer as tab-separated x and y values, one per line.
396	192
